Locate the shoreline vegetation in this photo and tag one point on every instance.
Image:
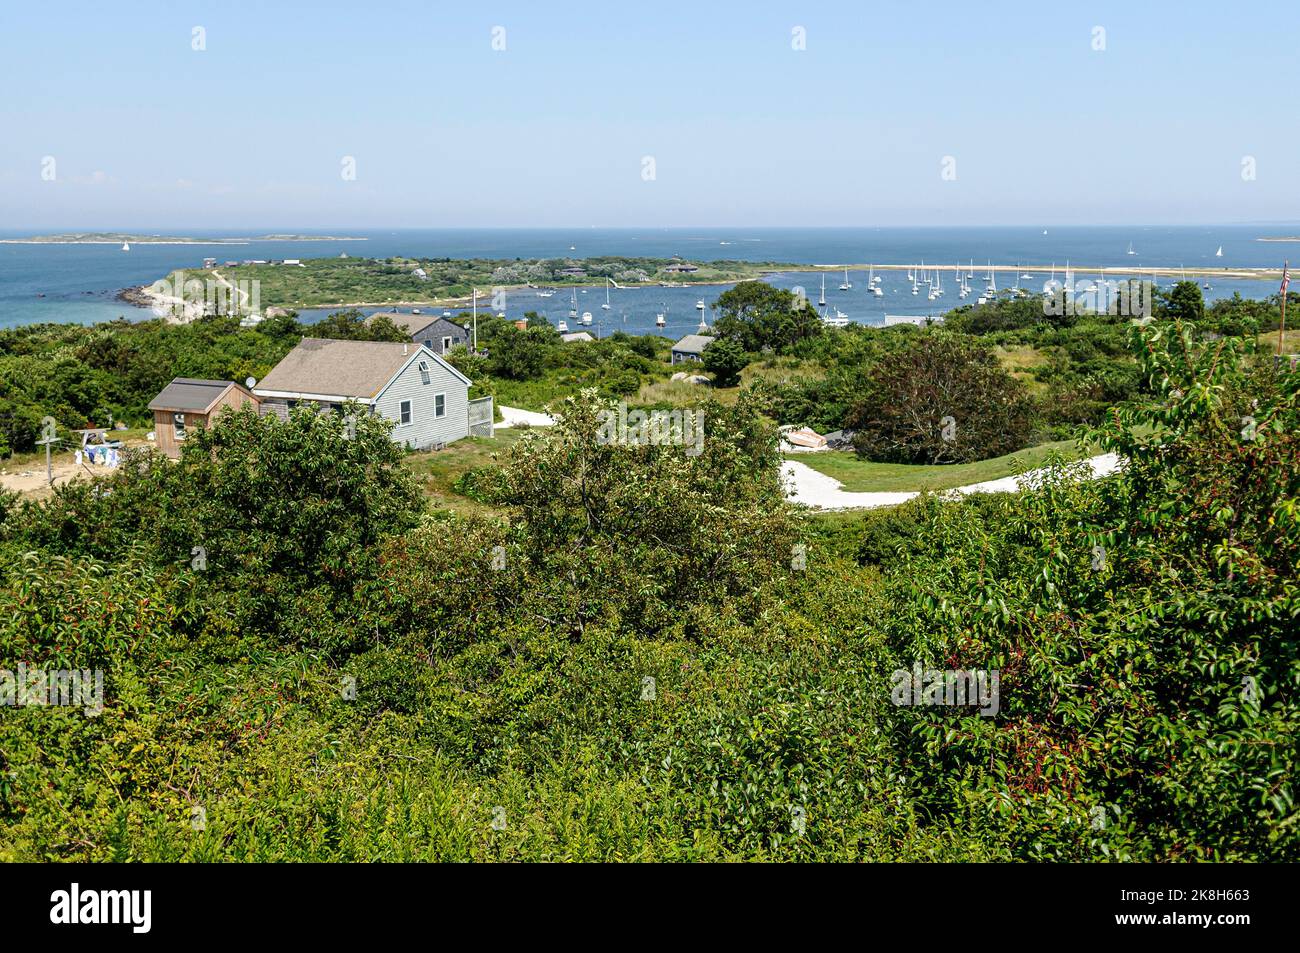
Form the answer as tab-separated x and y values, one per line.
112	238
449	283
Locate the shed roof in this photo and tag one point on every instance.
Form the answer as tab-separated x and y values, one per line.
693	343
189	394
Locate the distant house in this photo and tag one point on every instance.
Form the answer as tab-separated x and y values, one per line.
681	268
187	403
421	274
437	334
426	398
574	272
209	263
691	348
576	336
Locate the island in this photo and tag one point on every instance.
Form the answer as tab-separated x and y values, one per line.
113	238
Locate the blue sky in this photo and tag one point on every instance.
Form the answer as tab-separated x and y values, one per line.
252	131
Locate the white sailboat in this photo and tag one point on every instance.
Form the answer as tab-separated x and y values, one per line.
848	285
605	306
822	300
1219	253
1130	249
126	246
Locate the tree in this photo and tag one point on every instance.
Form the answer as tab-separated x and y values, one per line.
756	315
725	359
1184	302
940	399
519	355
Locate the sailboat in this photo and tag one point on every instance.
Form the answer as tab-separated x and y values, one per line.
970	270
822	300
605	306
848	285
1219	253
1130	249
916	278
545	294
126	246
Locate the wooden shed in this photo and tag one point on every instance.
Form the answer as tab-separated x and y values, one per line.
187	403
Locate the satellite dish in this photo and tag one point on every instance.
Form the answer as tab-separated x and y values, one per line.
250	382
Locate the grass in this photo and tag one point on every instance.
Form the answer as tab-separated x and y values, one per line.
438	470
679	393
861	476
1020	361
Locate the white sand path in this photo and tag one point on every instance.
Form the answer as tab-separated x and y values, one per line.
806	485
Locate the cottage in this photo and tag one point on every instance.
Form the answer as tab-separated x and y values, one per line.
437	334
576	336
187	403
691	348
681	268
426	398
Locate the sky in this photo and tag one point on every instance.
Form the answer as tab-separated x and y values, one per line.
234	114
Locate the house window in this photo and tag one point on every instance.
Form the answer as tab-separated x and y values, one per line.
178	423
405	411
428	342
424	373
446	345
440	405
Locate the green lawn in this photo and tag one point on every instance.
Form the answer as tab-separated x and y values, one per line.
438	470
860	476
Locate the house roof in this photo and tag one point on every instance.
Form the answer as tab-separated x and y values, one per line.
330	368
693	343
411	322
576	336
192	395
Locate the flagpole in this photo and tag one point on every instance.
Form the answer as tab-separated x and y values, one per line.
475	290
1281	328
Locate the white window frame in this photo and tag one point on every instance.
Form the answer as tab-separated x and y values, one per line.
405	408
178	426
424	372
436	412
446	343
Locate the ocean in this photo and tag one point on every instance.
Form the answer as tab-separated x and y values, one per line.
79	283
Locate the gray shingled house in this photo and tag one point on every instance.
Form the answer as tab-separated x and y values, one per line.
426	398
691	348
436	333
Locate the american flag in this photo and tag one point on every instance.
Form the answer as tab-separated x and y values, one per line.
1286	278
